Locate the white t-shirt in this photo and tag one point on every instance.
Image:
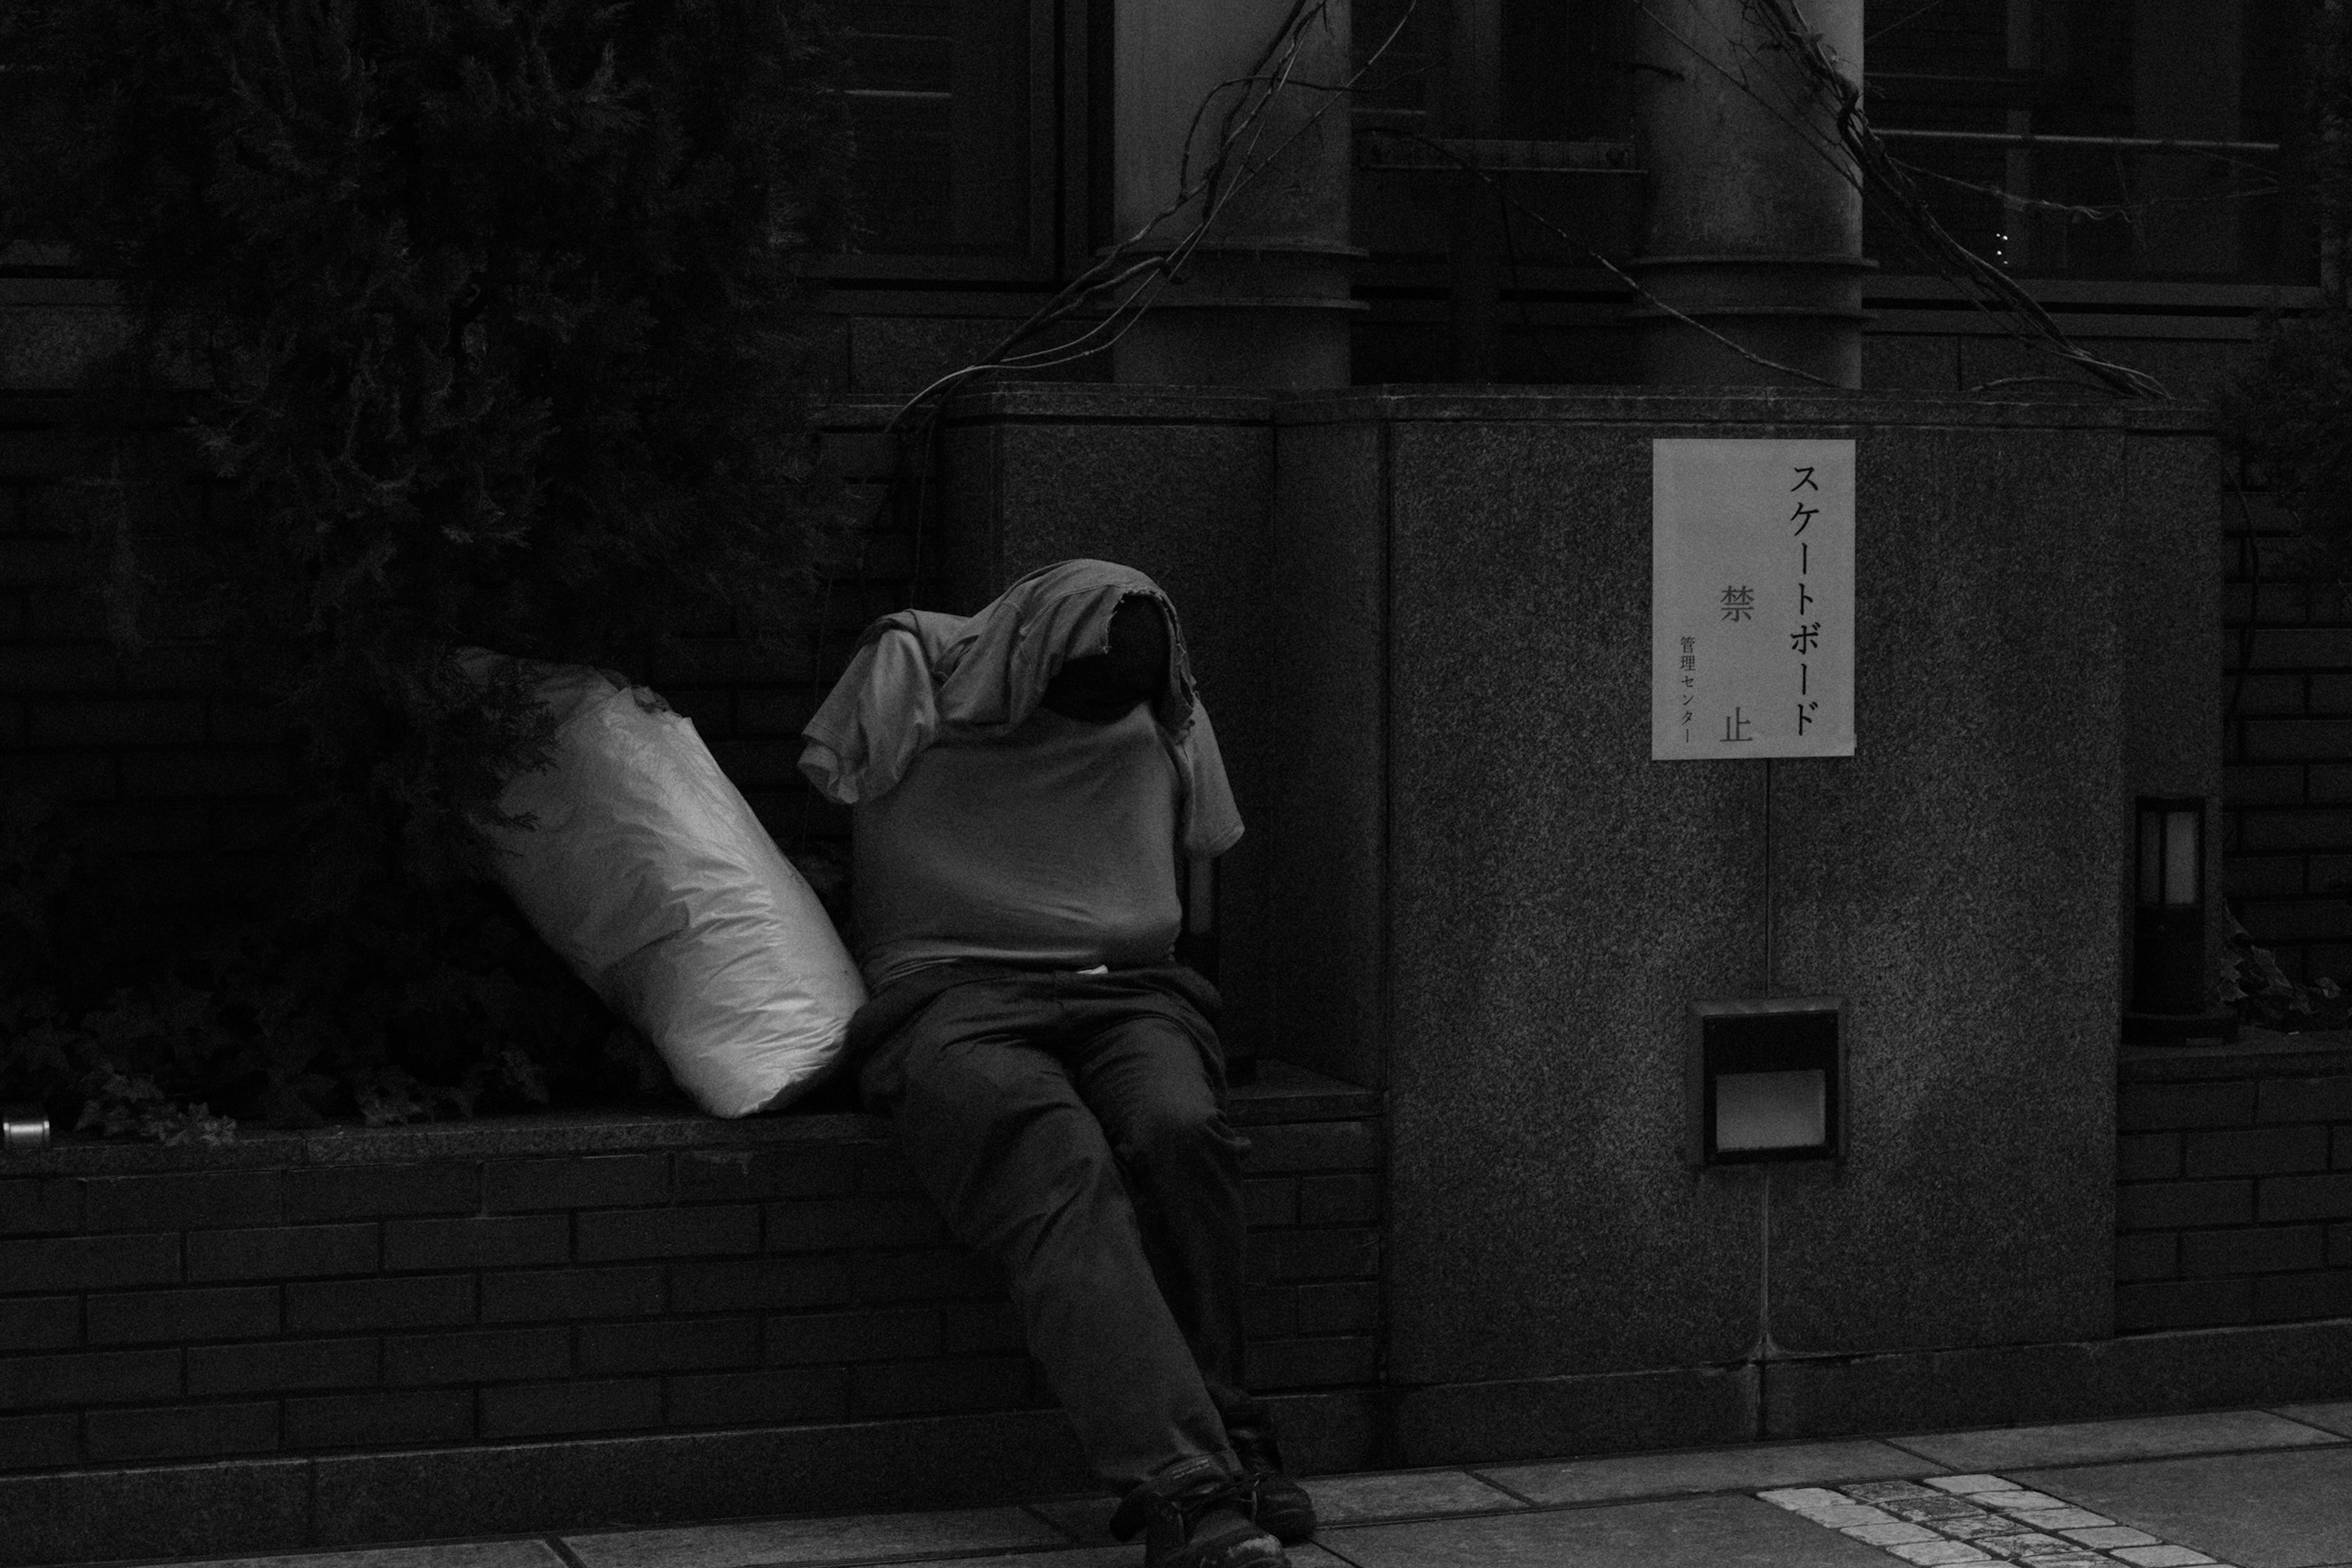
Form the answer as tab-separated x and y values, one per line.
1057	844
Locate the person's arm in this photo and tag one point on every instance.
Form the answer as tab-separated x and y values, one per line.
1196	938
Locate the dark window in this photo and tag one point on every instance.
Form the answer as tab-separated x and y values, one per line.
942	101
1956	84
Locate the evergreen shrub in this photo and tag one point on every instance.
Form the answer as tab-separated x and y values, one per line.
2287	435
484	320
2287	418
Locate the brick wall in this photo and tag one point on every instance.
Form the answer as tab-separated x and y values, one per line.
311	1294
2286	815
2234	1196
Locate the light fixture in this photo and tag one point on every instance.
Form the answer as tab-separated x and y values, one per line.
24	1128
1765	1080
2168	972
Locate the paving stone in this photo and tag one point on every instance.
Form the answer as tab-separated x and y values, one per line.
812	1541
1980	1525
1894	1535
2283	1508
473	1554
2335	1418
1890	1492
1683	1532
2113	1535
1939	1506
1114	1556
2027	1546
1967	1486
2075	1560
1309	1555
1748	1469
1804	1497
2059	1518
1934	1554
2016	1501
1083	1519
2161	1556
1848	1514
2100	1442
1405	1494
2010	1545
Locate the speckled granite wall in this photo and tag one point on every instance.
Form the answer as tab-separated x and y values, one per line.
1956	879
1176	485
1329	749
1555	898
1480	893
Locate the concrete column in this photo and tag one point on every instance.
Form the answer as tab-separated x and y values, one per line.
1753	227
1266	297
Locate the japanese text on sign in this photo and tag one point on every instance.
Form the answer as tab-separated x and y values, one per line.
1751	599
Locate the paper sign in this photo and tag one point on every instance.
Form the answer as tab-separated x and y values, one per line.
1751	599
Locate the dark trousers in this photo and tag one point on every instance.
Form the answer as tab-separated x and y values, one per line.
1071	1127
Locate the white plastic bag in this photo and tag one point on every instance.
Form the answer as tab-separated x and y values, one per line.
647	871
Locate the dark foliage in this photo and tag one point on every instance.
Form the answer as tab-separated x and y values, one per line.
2259	992
2288	428
483	315
2288	417
411	1001
2287	414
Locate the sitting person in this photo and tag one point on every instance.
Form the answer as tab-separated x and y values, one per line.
1031	791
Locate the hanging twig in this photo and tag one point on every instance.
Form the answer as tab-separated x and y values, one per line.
1611	268
1134	271
1992	289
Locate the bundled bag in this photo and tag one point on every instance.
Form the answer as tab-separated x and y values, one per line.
646	870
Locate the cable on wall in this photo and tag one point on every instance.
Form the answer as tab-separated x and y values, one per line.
1888	177
1128	273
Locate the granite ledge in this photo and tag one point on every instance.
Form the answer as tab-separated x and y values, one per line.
854	411
1283	1093
1052	402
1064	402
2255	1053
1720	406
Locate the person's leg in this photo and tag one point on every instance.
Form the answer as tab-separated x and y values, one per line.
1151	1070
1145	1077
1002	1142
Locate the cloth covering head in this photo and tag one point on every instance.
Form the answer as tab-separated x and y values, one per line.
918	676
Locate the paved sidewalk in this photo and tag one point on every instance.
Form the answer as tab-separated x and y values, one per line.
2250	1489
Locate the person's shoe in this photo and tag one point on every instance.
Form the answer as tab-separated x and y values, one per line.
1276	1502
1200	1524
